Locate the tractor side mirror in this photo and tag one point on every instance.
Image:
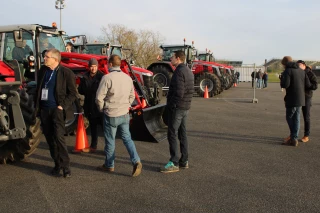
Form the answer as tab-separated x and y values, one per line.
103	51
17	36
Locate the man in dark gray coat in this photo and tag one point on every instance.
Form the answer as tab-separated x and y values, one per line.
294	80
178	104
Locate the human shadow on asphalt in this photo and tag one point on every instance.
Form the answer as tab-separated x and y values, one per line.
34	166
236	137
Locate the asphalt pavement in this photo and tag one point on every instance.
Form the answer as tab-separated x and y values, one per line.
237	164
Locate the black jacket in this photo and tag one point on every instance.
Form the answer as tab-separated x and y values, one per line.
88	87
65	92
181	88
294	80
313	81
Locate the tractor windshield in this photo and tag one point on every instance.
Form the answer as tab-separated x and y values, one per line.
202	57
19	50
116	51
168	52
93	49
48	41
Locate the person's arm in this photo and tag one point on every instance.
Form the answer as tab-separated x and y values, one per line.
82	86
178	93
71	90
131	96
102	93
307	82
285	79
313	80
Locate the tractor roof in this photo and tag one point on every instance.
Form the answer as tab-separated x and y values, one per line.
204	53
10	28
177	45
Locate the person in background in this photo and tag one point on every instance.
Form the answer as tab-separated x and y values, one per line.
69	47
88	87
308	98
114	97
294	80
253	78
265	79
178	104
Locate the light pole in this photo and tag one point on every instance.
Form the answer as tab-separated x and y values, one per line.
59	6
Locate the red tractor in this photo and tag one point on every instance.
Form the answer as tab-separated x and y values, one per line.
163	70
145	77
20	59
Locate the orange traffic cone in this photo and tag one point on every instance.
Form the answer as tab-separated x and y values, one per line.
81	137
206	94
143	103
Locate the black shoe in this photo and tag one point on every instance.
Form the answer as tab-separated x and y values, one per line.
66	173
56	171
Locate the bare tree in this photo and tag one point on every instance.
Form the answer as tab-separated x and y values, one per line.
144	44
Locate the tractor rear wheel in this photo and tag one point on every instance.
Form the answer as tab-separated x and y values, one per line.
72	122
211	81
15	150
162	75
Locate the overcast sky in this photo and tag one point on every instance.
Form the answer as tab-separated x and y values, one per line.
248	30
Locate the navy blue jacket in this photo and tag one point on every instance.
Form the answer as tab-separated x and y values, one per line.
181	88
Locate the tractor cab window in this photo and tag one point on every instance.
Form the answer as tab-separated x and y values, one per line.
49	41
202	57
116	51
19	50
93	49
168	52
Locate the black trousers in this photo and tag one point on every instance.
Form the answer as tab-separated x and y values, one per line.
53	127
177	120
306	116
94	123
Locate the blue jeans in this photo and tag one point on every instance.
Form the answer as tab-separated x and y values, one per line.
110	126
177	120
259	83
293	120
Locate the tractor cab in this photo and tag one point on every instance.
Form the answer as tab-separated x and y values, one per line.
27	43
168	50
206	56
81	45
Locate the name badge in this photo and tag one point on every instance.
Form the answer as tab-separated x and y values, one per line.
44	94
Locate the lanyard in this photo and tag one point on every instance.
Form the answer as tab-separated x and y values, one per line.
46	83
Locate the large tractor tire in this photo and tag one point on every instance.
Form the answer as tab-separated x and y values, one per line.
71	122
211	81
162	75
15	150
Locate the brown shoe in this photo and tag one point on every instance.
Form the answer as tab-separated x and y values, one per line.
294	142
105	169
286	141
86	150
93	150
136	169
305	139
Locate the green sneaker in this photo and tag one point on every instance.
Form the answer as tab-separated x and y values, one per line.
170	167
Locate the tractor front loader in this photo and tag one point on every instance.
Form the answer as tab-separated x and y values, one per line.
146	113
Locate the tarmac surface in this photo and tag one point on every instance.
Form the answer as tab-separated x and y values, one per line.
237	164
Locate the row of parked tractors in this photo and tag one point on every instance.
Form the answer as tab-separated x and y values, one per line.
21	56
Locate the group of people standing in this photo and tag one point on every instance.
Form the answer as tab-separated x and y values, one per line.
107	102
261	78
299	82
